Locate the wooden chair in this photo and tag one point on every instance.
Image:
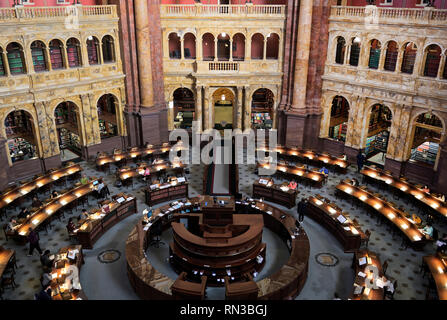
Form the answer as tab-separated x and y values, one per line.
366	240
8	282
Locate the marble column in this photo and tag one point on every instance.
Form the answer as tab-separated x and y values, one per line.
48	59
247	47
215	48
441	66
144	53
199	108
206	109
6	63
302	56
65	56
247	109
182	48
238	123
264	54
199	47
382	58
231	49
400	56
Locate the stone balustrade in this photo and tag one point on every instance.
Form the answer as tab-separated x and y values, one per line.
377	15
20	13
200	10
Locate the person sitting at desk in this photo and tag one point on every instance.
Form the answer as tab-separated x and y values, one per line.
44	294
84	179
84	214
11	225
70	226
324	171
428	230
426	189
387	285
293	185
54	194
23	213
343	157
36	202
354	182
46	278
45	259
441	244
146	173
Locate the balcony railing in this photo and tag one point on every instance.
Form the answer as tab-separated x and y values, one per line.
248	10
377	15
57	13
223	66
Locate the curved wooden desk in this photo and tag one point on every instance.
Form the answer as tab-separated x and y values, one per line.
295	153
407	188
59	273
276	193
327	214
125	174
5	256
9	197
372	259
148	283
298	173
438	270
51	208
397	217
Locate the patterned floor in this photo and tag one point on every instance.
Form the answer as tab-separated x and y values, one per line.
403	264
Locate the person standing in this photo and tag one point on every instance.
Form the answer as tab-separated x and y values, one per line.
33	239
300	209
360	161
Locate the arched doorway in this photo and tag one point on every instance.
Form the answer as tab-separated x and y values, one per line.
223	100
208	47
21	136
223	47
238	47
67	120
262	108
184	108
378	134
108	122
427	135
338	125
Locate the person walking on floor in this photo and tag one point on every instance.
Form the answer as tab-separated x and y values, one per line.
360	161
300	209
33	239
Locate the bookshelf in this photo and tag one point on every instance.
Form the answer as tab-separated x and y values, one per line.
38	58
426	152
69	140
66	114
2	66
21	149
16	65
408	61
107	129
92	50
355	54
374	58
56	57
73	55
391	59
261	109
338	132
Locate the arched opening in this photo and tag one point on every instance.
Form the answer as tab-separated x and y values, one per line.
262	108
67	120
108	49
223	99
38	54
107	116
355	52
21	137
184	108
272	46
57	60
74	53
223	47
338	125
93	50
16	58
374	54
340	50
208	47
378	133
174	46
257	46
2	64
432	60
409	57
189	44
427	136
392	52
238	47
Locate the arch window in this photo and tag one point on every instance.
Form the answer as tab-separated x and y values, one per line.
262	108
272	46
189	46
184	108
223	47
427	136
432	61
340	51
257	46
174	46
73	53
93	50
107	116
392	52
409	58
2	64
239	47
57	60
16	58
38	54
208	47
20	134
66	117
355	52
374	54
338	126
108	49
378	133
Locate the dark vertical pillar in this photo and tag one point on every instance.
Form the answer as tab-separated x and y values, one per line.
4	165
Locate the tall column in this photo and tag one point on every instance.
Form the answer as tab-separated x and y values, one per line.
441	66
347	54
84	54
238	117
231	49
264	54
182	48
6	63
28	59
382	59
144	53
166	46
101	56
48	58
247	109
400	56
419	63
206	111
65	56
199	47
247	47
199	107
302	55
215	48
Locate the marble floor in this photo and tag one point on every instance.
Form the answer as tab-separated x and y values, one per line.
109	281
